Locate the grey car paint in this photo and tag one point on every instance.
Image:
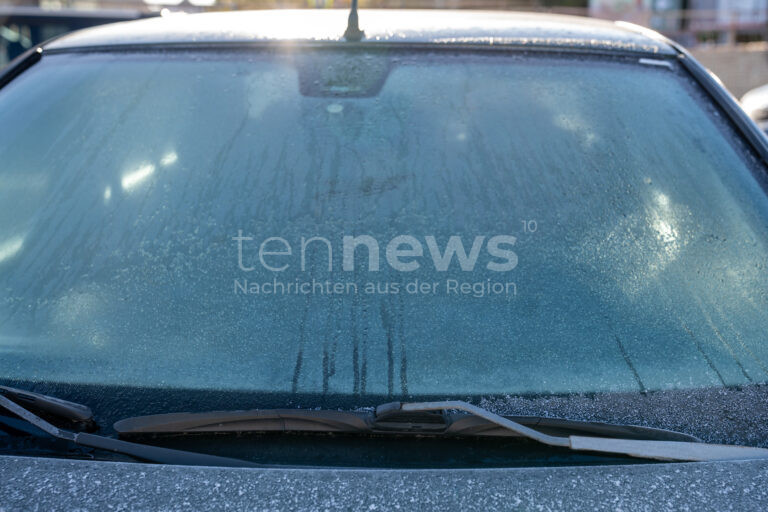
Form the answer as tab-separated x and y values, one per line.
49	484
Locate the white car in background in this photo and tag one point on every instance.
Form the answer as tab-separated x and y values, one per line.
755	104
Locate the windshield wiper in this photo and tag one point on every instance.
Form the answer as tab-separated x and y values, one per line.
139	451
76	413
433	418
386	419
684	451
439	418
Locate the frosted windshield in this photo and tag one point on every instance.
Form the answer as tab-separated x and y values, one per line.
519	225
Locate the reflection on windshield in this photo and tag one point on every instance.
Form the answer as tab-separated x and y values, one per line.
10	248
512	227
134	178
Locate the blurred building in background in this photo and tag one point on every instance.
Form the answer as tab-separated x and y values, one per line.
691	22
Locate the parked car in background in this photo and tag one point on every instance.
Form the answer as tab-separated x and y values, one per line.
23	27
755	104
439	260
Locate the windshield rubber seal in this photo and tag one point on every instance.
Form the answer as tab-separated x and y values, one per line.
20	64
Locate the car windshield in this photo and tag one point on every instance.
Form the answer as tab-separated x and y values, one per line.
352	225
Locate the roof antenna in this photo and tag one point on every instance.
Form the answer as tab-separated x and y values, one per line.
353	32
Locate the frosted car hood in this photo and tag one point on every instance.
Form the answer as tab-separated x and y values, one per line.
67	484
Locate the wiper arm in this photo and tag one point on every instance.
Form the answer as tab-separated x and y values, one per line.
646	449
139	451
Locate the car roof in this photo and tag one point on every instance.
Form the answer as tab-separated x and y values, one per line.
380	26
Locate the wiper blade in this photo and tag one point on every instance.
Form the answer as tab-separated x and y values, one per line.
260	420
438	418
53	406
386	419
139	451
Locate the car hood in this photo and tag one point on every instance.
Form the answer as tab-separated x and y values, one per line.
51	484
